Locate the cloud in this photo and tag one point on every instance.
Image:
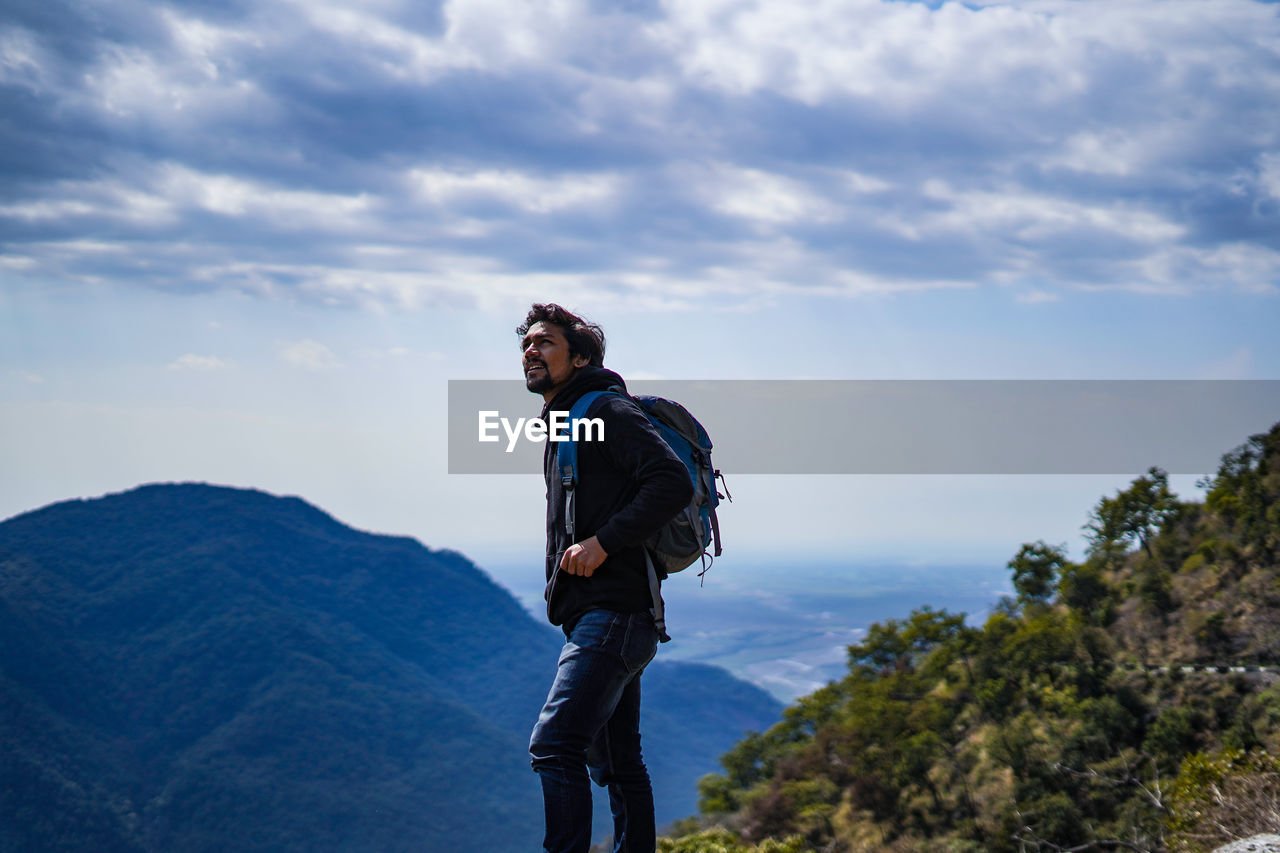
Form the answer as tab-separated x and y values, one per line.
767	199
1031	217
308	355
1268	179
414	155
191	361
528	192
1237	266
1036	297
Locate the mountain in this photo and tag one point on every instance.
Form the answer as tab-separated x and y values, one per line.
1130	701
189	667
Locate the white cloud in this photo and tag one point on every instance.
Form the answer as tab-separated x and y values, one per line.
236	197
1036	297
18	262
504	32
162	193
209	48
366	154
23	62
1036	216
766	198
399	52
130	83
1111	152
111	198
898	53
477	34
191	361
308	354
905	54
851	283
531	193
1238	266
198	77
860	183
1269	173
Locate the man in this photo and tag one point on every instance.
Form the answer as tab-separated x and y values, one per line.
630	483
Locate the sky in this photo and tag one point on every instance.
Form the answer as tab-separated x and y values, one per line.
250	243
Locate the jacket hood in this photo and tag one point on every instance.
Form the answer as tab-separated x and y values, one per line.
589	378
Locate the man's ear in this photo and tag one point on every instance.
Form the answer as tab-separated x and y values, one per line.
580	361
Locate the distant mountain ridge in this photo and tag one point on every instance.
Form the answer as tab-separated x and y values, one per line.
191	667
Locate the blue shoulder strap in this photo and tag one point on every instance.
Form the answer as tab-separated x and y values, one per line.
567	465
567	456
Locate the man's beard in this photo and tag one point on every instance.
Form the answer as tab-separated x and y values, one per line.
541	383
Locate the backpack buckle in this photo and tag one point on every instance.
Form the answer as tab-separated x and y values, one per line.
569	509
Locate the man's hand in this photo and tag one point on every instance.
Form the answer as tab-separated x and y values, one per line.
583	558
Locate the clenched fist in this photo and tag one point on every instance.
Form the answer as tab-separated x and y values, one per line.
583	558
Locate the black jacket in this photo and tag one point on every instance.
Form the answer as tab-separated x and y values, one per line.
629	485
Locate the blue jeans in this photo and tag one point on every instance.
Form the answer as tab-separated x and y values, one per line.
591	721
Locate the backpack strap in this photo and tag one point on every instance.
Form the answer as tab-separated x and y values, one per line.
567	458
659	610
715	532
715	522
567	465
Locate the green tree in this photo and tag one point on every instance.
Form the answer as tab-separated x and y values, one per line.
1245	493
1172	736
902	645
1036	568
1133	515
1082	588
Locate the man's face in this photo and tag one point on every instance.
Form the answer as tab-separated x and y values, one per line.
548	366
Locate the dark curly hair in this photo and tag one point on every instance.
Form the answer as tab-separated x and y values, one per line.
585	338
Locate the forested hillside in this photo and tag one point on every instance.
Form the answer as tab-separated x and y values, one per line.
192	668
1126	702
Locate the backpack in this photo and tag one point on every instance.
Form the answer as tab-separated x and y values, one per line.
684	539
